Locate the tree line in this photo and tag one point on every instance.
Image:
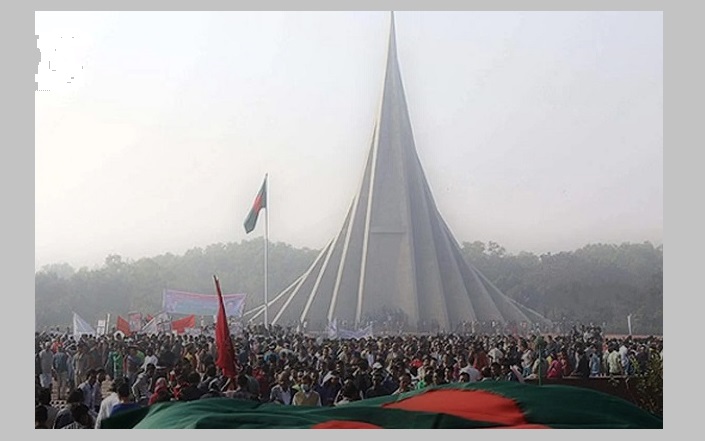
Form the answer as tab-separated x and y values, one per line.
598	283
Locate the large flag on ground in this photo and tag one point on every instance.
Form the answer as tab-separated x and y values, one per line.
259	204
81	327
223	343
492	404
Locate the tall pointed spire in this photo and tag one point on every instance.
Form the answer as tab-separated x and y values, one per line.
394	256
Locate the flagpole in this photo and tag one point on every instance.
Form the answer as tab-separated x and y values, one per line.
266	245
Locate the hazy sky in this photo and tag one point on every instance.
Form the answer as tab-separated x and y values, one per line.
542	131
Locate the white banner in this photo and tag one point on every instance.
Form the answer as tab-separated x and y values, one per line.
100	329
161	323
334	332
81	327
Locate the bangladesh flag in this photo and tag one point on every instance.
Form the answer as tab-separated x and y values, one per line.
259	204
500	405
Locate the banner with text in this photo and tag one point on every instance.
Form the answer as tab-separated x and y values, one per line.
179	302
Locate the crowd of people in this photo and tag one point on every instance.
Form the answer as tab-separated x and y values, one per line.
280	366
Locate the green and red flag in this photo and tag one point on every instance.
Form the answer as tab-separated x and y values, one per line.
257	206
483	405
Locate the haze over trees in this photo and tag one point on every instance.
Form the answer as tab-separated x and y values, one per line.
598	283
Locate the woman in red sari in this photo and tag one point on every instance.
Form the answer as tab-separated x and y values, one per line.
555	369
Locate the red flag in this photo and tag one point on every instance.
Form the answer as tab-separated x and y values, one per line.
181	325
223	343
123	326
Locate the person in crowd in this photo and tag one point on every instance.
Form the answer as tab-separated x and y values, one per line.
362	375
46	362
60	365
90	390
115	362
142	385
252	383
282	392
242	390
133	362
106	405
64	417
306	396
641	359
613	361
215	392
150	357
161	392
582	364
125	400
45	400
480	357
555	369
191	391
81	364
404	384
348	393
100	377
210	373
330	388
486	374
377	389
40	417
595	362
566	366
82	419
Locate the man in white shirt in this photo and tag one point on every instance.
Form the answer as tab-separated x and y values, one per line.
150	358
473	374
46	359
140	389
106	406
527	360
624	357
495	354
